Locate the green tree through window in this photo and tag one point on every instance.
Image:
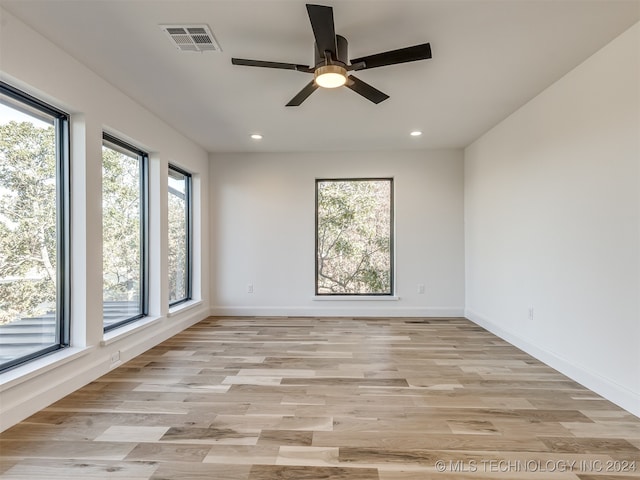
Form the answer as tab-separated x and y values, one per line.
33	228
28	226
354	242
179	229
123	232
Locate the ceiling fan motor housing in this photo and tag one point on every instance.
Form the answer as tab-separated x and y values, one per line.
342	52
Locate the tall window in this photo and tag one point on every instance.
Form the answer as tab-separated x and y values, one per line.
179	235
124	227
34	159
354	237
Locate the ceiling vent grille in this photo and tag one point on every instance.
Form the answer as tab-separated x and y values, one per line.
191	38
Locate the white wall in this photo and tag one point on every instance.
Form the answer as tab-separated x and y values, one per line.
262	213
30	62
552	212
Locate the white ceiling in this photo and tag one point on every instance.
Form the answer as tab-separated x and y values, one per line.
489	58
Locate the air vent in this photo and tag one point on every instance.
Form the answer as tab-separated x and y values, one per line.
191	38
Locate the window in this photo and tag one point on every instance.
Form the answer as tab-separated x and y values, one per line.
124	227
34	232
354	239
179	225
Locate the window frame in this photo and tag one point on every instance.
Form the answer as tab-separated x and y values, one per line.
188	193
392	271
63	216
126	148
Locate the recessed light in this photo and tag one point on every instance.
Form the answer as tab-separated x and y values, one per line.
256	136
416	133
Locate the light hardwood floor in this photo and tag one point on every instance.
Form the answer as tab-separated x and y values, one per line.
328	398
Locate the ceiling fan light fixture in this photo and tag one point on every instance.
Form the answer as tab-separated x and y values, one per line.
331	76
331	60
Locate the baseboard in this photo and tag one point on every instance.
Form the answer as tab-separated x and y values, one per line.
38	390
615	393
338	311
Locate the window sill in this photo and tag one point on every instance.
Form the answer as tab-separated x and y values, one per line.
128	329
40	366
356	298
183	307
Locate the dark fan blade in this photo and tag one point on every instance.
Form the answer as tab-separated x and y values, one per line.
321	18
356	66
366	90
303	94
402	55
260	63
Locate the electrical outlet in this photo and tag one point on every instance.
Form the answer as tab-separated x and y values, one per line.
421	288
530	313
250	288
115	357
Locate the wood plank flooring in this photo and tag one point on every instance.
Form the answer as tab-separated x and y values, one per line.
328	398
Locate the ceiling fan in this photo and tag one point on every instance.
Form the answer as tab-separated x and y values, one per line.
331	62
